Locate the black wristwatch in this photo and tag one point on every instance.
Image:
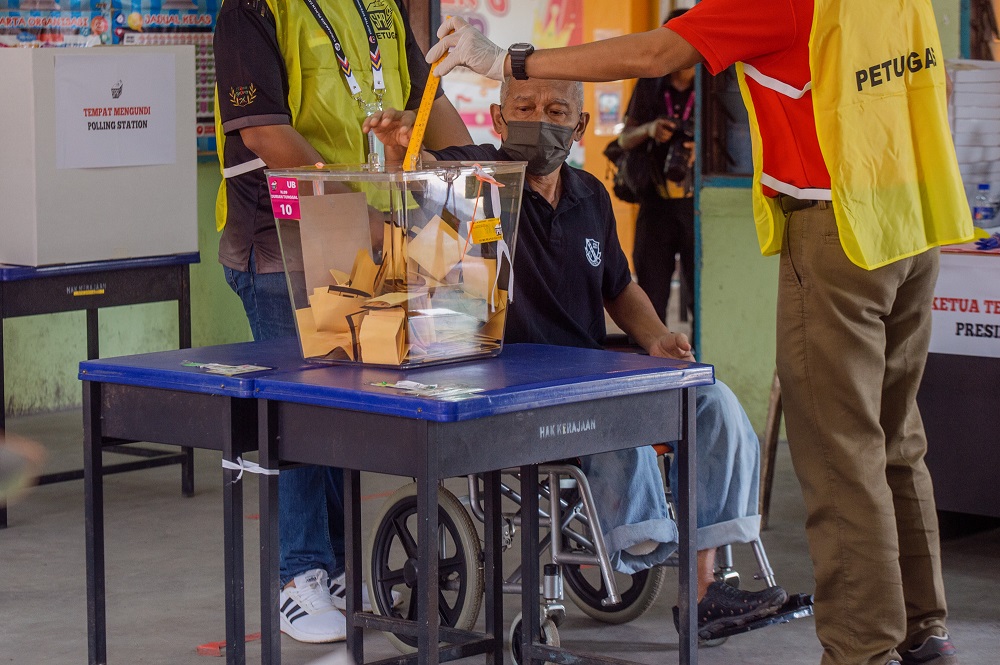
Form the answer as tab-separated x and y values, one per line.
518	54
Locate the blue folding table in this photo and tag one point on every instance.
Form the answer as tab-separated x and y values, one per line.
29	291
539	403
166	398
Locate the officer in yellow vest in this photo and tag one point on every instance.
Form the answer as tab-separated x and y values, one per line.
856	185
295	81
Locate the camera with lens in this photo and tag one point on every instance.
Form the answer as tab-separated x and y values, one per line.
678	160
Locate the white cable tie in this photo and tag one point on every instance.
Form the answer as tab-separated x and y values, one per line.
242	465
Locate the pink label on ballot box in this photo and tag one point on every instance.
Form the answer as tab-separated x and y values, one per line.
284	197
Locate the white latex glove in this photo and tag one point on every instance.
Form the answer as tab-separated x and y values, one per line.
468	47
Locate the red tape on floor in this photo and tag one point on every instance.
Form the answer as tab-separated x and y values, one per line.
218	648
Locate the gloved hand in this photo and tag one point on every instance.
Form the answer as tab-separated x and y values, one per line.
993	242
469	48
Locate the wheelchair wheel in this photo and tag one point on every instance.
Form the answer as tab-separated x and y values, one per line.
548	631
585	587
392	563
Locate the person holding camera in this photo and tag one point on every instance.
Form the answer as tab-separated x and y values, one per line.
660	120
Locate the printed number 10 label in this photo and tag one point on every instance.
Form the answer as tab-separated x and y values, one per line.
284	197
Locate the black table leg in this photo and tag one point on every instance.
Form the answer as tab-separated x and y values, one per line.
687	521
530	615
428	615
94	515
492	566
270	627
352	563
232	501
184	332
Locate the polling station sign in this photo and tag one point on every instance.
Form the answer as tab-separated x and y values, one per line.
118	109
965	317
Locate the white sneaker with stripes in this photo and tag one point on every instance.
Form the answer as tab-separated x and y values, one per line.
338	591
307	610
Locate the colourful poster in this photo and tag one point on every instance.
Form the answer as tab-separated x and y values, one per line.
176	22
36	27
544	23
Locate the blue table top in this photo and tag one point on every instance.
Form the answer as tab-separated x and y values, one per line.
11	273
524	376
166	369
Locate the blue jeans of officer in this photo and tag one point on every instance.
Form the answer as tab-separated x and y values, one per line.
310	498
628	488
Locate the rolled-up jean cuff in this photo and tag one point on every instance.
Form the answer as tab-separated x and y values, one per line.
739	530
663	531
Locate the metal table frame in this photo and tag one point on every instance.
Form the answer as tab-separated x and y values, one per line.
314	419
154	397
28	291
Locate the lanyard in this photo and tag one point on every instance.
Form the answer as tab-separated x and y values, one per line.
378	82
670	104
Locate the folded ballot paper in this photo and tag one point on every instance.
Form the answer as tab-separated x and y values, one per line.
400	269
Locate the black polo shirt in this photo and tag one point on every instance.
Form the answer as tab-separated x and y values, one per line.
567	261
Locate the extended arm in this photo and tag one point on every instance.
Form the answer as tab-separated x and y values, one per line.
634	314
648	54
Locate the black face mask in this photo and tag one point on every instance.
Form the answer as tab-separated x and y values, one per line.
543	145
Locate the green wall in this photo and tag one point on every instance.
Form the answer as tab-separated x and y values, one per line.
739	286
41	353
737	299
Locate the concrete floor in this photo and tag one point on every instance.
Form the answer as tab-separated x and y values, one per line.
165	575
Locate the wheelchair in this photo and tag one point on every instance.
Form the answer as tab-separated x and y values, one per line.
576	562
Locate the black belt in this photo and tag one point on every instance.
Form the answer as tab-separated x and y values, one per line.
790	204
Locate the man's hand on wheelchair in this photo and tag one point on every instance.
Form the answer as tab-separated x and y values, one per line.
672	345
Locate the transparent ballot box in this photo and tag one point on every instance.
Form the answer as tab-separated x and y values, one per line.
398	268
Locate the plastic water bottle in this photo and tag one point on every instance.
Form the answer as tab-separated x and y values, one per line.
982	207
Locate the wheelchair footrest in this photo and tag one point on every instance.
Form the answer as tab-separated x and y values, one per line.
797	606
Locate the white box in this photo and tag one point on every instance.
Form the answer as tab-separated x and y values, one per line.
56	215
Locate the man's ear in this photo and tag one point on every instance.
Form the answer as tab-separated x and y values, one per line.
498	122
581	126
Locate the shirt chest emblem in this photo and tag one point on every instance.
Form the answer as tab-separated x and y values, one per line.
592	249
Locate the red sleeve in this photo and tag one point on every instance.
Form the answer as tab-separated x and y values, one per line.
729	31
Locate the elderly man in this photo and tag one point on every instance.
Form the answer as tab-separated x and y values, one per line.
562	291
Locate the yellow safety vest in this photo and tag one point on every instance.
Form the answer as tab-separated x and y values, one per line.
319	98
882	122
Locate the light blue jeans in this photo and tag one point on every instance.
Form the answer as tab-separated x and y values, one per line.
310	498
628	488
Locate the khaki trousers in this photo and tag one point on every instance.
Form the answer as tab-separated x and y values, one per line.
851	350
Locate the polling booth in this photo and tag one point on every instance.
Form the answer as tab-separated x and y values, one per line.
99	154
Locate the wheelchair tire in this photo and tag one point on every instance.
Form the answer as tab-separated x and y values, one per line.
549	633
638	592
392	561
